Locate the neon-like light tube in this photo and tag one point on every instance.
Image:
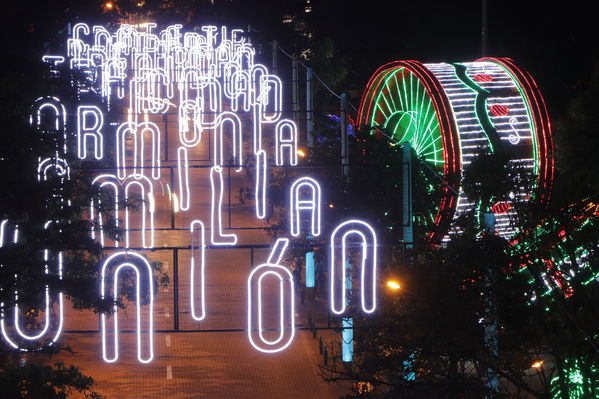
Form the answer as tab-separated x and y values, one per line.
368	265
313	205
286	303
197	277
111	268
217	237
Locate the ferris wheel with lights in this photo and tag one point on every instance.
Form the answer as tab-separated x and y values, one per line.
451	113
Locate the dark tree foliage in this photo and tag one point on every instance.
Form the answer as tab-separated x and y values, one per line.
50	214
431	340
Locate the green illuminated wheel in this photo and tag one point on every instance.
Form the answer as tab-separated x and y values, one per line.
404	111
405	102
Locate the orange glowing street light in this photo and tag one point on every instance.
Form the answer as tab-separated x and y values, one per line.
537	364
393	285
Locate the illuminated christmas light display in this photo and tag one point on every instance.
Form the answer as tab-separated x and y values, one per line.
450	113
578	379
129	81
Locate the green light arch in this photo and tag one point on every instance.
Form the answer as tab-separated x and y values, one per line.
404	110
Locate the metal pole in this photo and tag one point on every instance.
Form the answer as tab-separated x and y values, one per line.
172	173
229	192
309	106
165	119
484	31
344	149
347	323
408	227
295	88
491	340
275	51
176	289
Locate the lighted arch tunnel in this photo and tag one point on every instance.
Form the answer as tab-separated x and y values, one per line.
450	113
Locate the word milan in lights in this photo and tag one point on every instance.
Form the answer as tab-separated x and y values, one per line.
226	105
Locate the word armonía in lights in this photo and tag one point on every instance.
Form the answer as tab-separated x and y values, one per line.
229	111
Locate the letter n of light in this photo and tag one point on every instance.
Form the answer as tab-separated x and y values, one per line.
368	265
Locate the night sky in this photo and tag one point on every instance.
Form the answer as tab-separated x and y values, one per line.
556	43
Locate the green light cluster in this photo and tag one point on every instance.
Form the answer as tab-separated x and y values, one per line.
578	384
406	112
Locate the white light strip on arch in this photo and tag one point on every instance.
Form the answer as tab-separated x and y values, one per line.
197	277
368	265
286	299
217	237
118	262
297	204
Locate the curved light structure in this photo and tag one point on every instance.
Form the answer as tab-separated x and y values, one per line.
451	113
109	287
340	267
286	326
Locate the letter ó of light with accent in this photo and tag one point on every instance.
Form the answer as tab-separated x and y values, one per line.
368	265
111	269
197	267
297	204
286	311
